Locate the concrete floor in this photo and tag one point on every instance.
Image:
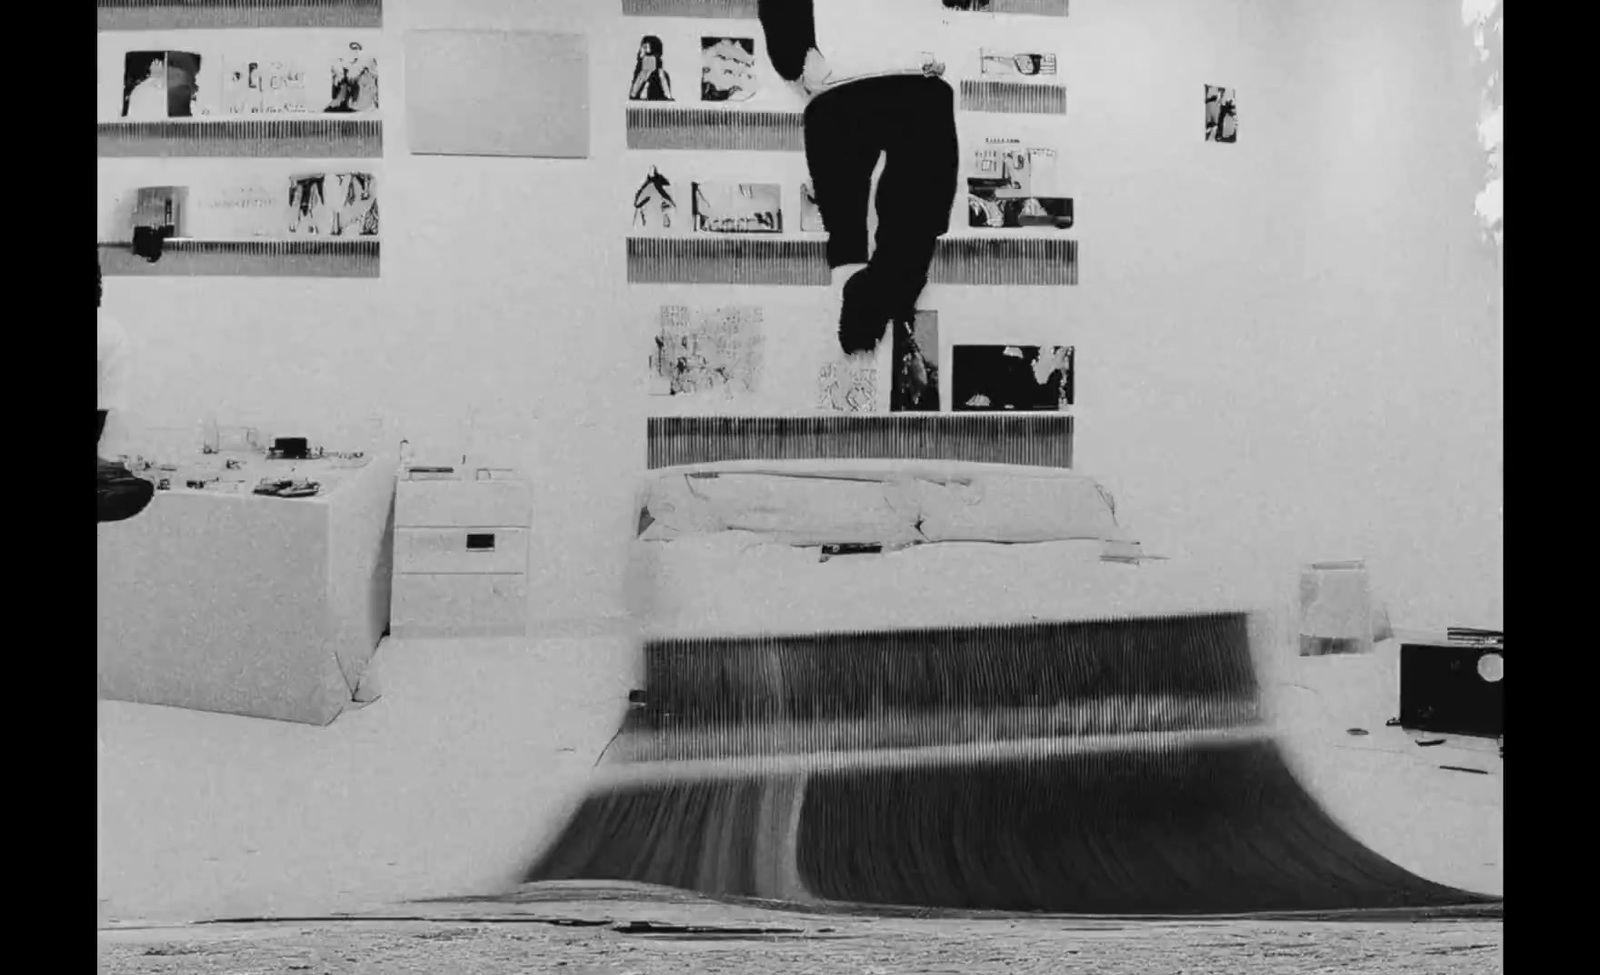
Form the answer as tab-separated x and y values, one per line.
449	782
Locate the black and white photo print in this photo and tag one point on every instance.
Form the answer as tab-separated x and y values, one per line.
355	82
1023	378
810	213
655	204
160	84
915	357
1222	115
698	351
651	80
727	69
738	208
1015	64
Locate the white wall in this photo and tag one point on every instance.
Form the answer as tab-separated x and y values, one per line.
1286	348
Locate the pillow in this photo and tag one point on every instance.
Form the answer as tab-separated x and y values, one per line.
1016	508
799	510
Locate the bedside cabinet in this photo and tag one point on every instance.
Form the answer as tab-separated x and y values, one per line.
460	555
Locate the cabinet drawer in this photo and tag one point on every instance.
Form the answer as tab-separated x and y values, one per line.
444	504
459	605
460	551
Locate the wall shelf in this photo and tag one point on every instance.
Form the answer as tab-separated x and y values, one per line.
352	258
1034	439
985	261
1013	98
161	15
315	137
746	9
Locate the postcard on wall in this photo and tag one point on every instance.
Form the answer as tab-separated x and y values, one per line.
700	351
655	204
1015	65
255	86
237	211
915	358
652	80
333	205
810	213
738	208
727	69
160	85
848	384
353	82
162	209
1222	114
1011	377
1012	185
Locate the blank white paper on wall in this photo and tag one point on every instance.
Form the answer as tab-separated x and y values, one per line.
497	93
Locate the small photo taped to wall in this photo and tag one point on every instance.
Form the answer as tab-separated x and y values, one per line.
1222	114
1005	378
727	69
702	351
160	85
915	357
652	80
996	63
655	204
738	208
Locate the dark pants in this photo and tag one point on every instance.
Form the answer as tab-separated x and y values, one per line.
910	120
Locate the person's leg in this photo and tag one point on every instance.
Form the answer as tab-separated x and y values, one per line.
917	188
841	154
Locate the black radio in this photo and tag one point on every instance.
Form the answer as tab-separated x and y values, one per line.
1454	687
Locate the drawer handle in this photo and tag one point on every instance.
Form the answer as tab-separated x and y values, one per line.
480	543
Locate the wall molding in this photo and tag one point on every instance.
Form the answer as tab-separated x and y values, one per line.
153	15
1036	439
704	259
715	129
336	258
1013	97
295	137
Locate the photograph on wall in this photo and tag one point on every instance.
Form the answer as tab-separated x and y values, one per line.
651	80
160	84
727	69
738	208
162	209
1015	64
1011	185
810	213
355	82
848	384
333	205
655	204
1011	377
701	351
915	355
1222	115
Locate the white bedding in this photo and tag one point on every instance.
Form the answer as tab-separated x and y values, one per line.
893	503
737	584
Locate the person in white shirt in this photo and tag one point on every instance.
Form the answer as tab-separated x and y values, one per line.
874	89
121	494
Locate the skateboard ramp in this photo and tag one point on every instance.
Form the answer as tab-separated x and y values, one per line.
1097	767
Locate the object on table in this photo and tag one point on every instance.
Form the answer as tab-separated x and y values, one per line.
1463	768
287	487
1474	635
1453	688
290	448
1429	742
1355	731
1336	614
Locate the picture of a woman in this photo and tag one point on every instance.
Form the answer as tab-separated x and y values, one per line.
653	204
651	83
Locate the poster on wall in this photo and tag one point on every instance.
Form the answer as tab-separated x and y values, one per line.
237	211
1011	377
652	82
915	357
738	208
810	213
655	203
1222	114
1014	65
848	384
727	69
1011	185
333	205
160	85
707	351
353	81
